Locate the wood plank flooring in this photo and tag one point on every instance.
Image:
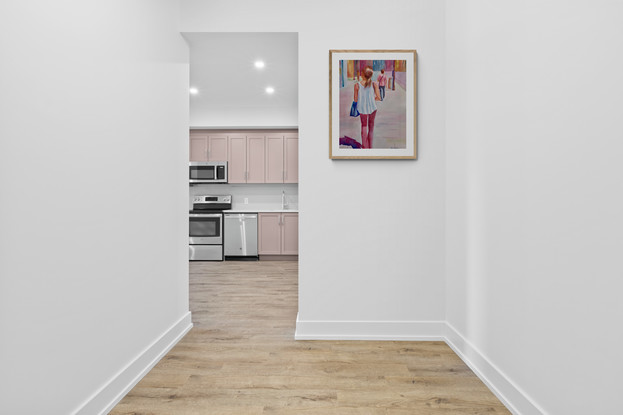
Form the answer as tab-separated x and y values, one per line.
241	358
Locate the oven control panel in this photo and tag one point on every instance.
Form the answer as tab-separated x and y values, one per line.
212	199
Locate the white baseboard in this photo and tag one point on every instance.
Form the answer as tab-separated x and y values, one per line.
515	399
370	330
105	399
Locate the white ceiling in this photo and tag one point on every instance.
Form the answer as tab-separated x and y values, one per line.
222	69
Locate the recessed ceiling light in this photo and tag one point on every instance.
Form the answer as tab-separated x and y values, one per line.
193	91
259	64
270	90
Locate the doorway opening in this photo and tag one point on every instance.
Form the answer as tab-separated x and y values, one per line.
244	113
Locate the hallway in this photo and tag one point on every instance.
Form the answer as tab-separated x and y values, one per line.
241	358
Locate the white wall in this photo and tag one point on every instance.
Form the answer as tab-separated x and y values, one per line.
94	99
534	202
371	232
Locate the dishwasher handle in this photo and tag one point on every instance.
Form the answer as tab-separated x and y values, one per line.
241	215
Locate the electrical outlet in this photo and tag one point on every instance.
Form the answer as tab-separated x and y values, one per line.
246	200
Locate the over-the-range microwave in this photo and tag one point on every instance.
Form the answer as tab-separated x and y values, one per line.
207	172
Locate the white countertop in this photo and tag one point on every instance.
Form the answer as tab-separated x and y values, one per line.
260	208
261	211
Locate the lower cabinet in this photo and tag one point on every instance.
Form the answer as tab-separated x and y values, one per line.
278	233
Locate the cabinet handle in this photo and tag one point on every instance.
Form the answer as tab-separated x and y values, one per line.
283	176
207	153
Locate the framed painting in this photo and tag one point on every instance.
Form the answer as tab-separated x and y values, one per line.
372	104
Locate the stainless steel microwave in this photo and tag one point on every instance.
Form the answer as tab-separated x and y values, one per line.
207	172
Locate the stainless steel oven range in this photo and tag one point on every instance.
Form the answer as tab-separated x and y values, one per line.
205	236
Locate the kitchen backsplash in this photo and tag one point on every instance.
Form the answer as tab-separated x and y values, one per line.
266	195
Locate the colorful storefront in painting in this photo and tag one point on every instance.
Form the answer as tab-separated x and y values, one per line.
395	70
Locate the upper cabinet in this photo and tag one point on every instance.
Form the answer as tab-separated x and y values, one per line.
253	157
217	147
282	158
291	158
246	158
198	146
237	161
256	158
274	158
207	147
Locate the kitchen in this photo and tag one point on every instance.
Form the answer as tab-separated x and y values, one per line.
243	164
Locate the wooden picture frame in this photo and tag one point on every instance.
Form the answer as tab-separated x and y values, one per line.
389	112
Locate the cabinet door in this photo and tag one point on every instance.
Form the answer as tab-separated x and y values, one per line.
217	148
291	158
274	158
237	166
269	233
290	233
256	159
198	146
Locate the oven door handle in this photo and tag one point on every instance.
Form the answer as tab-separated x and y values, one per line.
205	215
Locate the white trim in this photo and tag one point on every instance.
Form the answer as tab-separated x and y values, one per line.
239	127
369	330
109	395
511	395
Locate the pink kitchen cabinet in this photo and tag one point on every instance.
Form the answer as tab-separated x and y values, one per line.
269	233
256	158
274	158
291	158
253	157
217	147
246	158
207	147
198	146
289	233
282	163
237	161
278	234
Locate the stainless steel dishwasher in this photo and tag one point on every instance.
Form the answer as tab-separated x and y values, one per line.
241	236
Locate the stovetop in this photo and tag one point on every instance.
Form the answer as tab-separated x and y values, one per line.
210	203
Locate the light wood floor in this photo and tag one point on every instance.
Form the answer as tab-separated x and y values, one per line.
241	358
